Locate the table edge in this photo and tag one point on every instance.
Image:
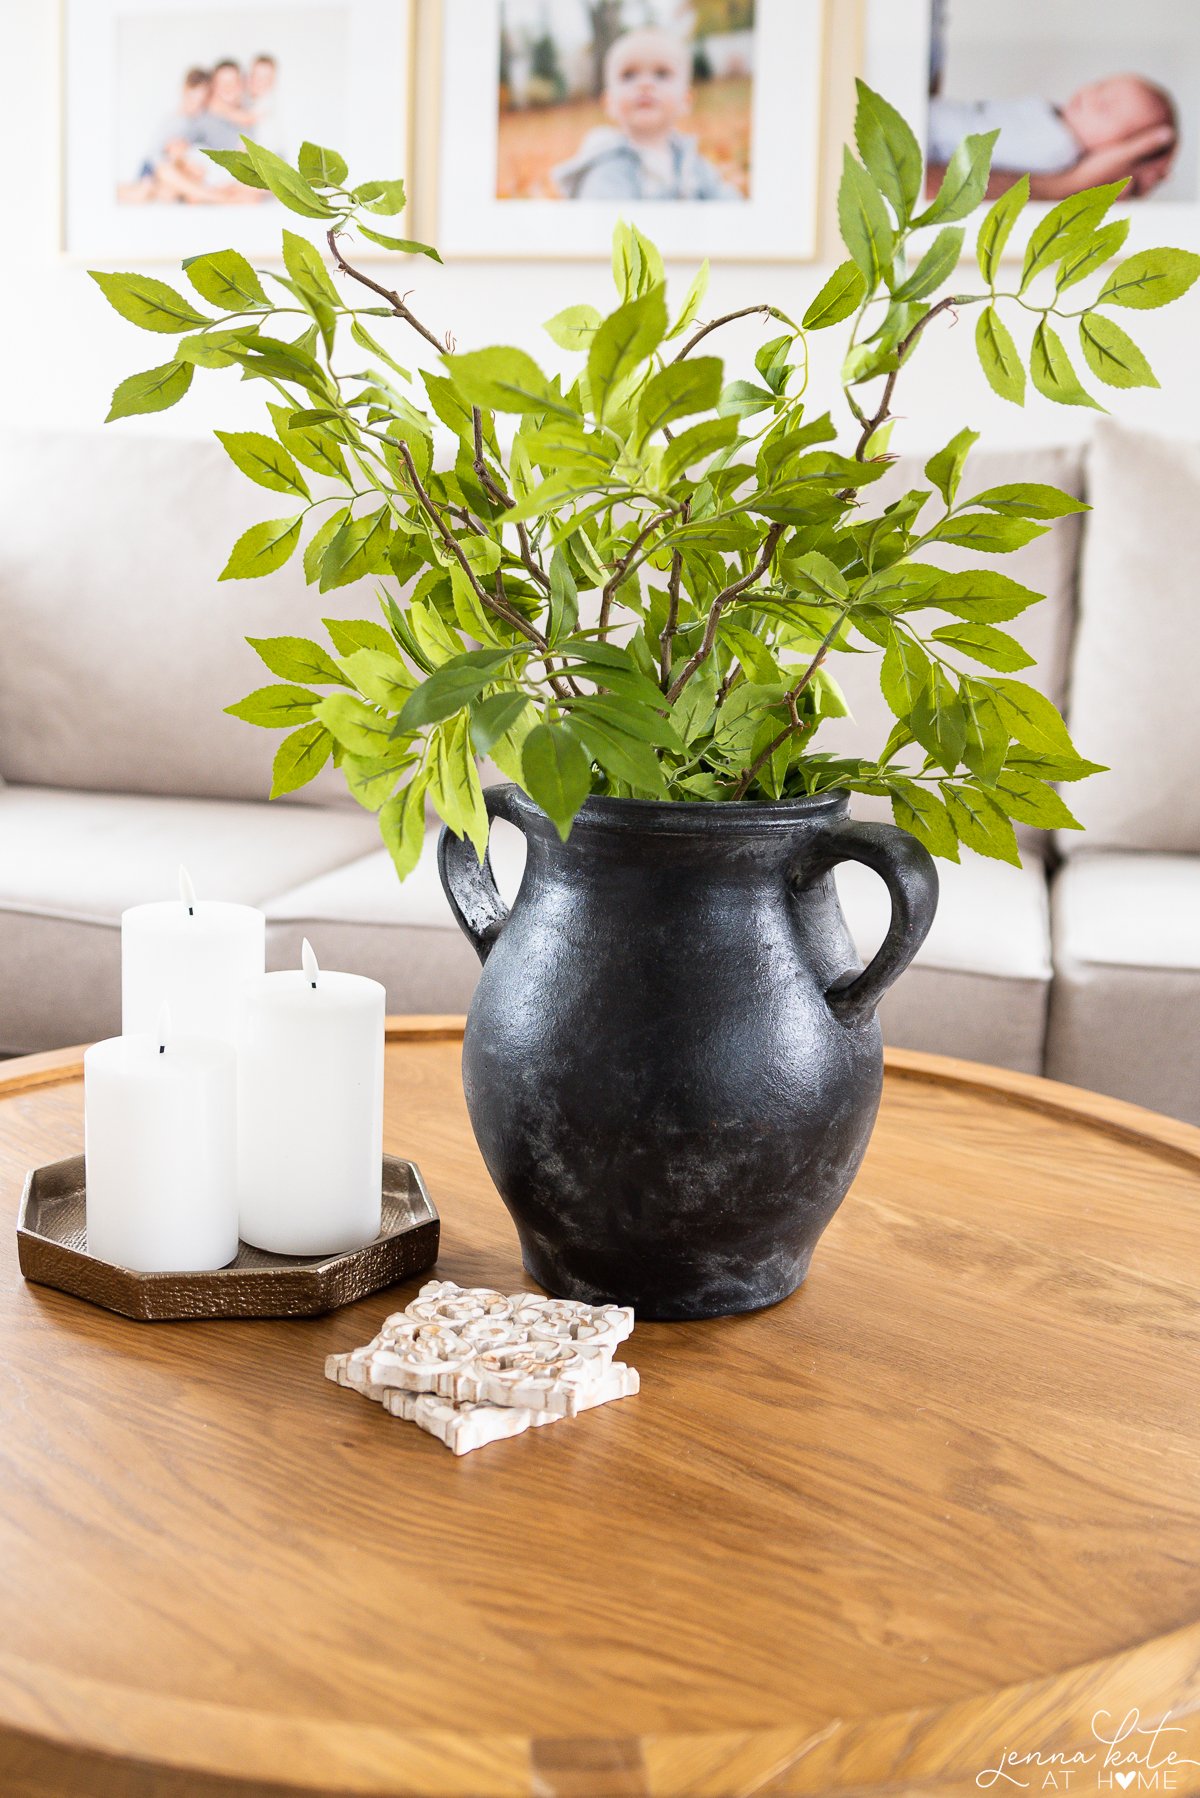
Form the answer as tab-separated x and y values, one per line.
1166	1136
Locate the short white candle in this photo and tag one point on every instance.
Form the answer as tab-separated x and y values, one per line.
160	1145
197	954
310	1106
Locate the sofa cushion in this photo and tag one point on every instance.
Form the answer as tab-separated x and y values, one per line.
1135	672
980	983
71	862
1125	1004
121	647
1048	565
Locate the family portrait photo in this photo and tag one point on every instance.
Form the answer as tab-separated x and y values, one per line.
1081	93
626	100
150	85
564	115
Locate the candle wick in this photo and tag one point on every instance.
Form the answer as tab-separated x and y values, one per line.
191	911
162	1048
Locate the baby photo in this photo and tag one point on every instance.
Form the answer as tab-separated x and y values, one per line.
1081	94
626	100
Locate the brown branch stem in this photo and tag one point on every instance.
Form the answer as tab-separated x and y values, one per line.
746	780
500	496
728	318
627	561
724	599
394	300
882	413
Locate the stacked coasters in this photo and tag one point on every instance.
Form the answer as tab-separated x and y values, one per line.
472	1366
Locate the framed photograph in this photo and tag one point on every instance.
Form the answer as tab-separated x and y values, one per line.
149	84
1083	93
698	120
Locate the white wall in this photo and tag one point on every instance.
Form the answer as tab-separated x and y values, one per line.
64	349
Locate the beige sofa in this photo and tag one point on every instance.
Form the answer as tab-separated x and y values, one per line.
118	650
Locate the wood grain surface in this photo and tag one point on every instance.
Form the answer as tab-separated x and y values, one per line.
939	1507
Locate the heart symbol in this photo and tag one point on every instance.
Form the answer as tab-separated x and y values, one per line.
1125	1780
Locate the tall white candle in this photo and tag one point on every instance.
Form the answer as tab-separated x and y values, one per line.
310	1104
197	954
160	1147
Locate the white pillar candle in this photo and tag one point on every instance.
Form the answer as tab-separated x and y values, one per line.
160	1149
197	954
310	1107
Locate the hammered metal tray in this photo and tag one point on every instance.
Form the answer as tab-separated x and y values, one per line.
52	1250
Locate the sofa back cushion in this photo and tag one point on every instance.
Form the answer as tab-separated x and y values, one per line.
119	647
1048	565
1135	673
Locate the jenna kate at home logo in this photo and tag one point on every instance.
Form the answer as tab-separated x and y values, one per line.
1129	1756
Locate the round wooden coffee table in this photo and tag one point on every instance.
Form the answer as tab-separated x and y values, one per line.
939	1508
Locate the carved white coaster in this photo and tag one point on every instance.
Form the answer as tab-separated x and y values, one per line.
473	1366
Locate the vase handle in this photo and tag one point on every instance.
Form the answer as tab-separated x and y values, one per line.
912	880
469	885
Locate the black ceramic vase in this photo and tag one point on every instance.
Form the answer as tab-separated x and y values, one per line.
672	1062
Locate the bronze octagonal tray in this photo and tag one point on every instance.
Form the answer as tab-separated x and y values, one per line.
52	1250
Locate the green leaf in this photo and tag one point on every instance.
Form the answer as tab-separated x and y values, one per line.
1033	802
841	295
310	445
263	460
636	263
816	574
889	150
402	825
358	547
380	677
304	263
996	228
452	687
692	302
321	167
504	380
349	634
296	659
991	533
1029	499
564	597
923	815
212	349
980	594
148	303
373	347
623	714
936	265
454	783
152	391
357	727
1092	253
984	643
239	165
384	197
980	823
905	674
300	759
1111	353
1051	372
226	279
621	756
318	544
1065	227
1031	718
272	707
965	181
678	390
938	721
998	356
863	221
986	741
945	469
371	780
558	776
403	246
573	328
289	188
261	549
742	399
1042	766
493	718
623	342
1150	278
692	445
